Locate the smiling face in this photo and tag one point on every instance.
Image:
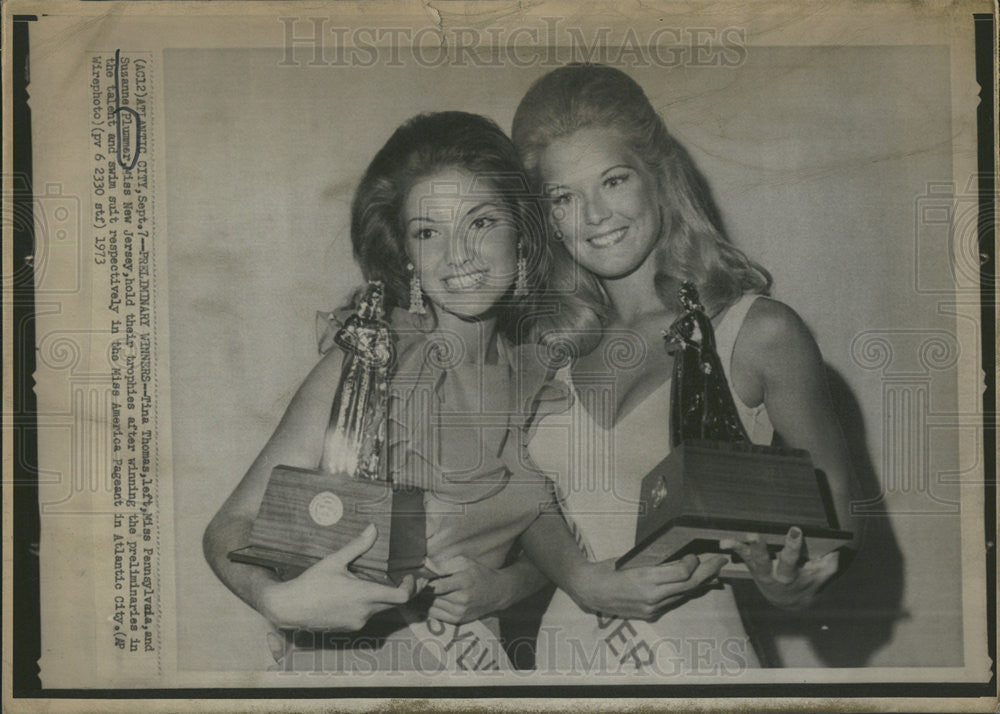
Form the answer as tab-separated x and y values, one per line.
602	199
462	243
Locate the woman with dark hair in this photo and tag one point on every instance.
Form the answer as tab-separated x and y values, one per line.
443	218
631	220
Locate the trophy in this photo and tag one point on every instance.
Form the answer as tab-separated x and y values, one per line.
307	514
715	483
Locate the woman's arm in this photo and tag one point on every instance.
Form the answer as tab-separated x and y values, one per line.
641	593
777	362
326	596
469	590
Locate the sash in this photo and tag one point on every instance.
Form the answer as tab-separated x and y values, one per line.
633	643
471	647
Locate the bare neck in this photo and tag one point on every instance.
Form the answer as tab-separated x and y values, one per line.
633	296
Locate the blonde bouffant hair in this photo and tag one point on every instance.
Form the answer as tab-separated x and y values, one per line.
693	247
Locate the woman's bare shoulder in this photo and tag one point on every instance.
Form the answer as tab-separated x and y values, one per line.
773	338
319	385
770	319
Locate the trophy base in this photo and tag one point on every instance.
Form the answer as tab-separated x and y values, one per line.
699	537
706	491
306	515
290	565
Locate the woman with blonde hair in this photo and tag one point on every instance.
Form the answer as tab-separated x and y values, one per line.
631	220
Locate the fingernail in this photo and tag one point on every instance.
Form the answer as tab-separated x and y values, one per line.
278	646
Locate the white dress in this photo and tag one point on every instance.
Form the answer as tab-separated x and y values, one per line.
598	474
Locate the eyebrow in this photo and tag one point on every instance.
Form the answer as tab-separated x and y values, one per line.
481	205
559	186
424	219
616	166
478	206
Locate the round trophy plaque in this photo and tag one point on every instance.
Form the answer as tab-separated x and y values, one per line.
326	508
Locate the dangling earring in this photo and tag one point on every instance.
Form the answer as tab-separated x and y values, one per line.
557	234
521	283
416	294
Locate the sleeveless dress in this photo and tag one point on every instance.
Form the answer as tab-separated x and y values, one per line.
446	437
597	474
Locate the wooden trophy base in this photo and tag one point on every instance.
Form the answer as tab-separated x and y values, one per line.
306	514
706	491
